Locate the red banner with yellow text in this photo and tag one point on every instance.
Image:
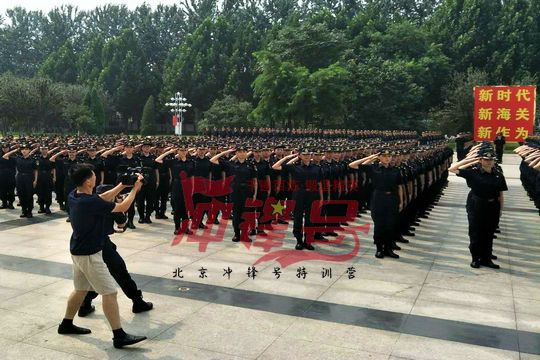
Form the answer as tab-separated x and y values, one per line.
509	110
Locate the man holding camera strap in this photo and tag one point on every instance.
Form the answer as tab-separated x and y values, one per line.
88	213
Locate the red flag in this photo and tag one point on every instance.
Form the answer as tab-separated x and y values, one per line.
174	120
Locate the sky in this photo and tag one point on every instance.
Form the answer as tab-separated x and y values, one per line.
81	4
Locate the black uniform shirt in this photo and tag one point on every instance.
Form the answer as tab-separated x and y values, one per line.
44	164
178	167
484	184
126	162
26	165
304	176
383	178
67	165
149	162
202	167
7	165
243	172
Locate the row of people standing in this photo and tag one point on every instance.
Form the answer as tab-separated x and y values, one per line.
422	173
530	168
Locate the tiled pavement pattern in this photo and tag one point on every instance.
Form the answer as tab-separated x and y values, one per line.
427	305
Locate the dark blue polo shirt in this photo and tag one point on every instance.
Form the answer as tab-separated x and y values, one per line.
88	214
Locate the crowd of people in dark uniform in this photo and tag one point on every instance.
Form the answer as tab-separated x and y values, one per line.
530	168
400	176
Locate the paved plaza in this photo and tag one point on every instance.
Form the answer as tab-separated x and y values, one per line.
343	304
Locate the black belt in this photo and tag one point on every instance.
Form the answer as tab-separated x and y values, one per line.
483	199
306	189
386	192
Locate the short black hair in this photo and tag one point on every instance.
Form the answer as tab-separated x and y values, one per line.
80	173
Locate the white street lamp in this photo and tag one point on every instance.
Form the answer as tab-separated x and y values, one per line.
178	106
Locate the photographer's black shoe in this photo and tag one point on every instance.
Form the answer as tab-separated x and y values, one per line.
141	221
127	340
72	330
139	306
86	310
147	220
47	211
130	225
489	264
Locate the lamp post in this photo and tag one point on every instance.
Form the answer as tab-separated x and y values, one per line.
178	107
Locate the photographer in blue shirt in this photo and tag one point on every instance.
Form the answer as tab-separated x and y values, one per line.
88	213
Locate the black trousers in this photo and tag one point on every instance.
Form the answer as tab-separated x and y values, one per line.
162	194
239	196
44	189
117	267
303	201
483	216
385	215
25	192
59	189
146	199
199	198
261	196
68	187
499	152
7	187
178	203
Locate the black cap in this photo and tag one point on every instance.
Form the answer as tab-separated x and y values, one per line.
488	155
385	151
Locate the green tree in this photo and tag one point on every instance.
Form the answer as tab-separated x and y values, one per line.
94	103
61	65
456	113
229	112
278	89
126	76
148	120
200	66
328	97
311	45
466	29
514	47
